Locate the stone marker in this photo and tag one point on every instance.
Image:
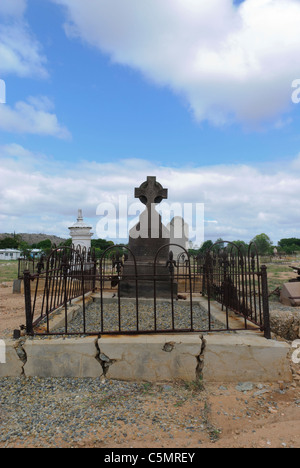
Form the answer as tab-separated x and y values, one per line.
145	240
290	294
81	233
179	234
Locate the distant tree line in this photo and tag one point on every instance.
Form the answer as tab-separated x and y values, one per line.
262	241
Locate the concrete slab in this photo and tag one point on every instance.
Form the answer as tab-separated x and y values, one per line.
13	365
245	356
151	358
72	357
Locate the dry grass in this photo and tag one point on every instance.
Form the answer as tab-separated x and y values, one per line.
280	272
8	270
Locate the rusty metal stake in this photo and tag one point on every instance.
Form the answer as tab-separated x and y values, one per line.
265	299
27	293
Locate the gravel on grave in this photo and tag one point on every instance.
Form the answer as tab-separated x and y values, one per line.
128	318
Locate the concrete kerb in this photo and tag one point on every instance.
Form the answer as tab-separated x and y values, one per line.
216	357
236	356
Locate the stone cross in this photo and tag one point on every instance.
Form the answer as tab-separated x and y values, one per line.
151	192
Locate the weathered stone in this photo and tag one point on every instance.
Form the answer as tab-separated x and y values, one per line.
73	357
290	294
152	357
13	367
286	323
245	357
149	243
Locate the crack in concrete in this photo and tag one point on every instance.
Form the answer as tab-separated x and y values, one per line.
21	353
200	359
104	361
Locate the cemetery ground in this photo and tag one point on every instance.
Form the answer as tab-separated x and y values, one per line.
92	413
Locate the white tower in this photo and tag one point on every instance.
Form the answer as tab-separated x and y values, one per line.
81	233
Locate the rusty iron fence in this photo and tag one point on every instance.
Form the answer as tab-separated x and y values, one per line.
238	283
182	294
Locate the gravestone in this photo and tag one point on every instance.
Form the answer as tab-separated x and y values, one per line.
81	233
145	240
290	294
179	234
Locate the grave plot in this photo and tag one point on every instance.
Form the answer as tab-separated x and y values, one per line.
143	287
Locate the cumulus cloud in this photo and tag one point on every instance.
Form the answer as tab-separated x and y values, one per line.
240	200
33	117
20	52
230	62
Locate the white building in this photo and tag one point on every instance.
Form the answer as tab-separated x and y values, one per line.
9	254
81	233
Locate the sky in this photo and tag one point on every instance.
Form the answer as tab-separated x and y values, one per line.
101	94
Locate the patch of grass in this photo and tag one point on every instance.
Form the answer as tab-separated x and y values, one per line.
147	387
8	270
180	403
213	432
195	385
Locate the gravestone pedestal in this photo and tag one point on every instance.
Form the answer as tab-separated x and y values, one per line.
149	243
290	294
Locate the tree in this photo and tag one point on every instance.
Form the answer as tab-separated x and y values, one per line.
44	245
101	244
289	245
263	244
25	249
9	243
66	243
206	246
242	246
219	245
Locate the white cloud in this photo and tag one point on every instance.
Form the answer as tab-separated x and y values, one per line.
240	200
15	8
231	63
32	117
20	52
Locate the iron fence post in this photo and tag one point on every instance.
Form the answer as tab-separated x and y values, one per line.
28	310
265	299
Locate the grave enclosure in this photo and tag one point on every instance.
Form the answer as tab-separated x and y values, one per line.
139	313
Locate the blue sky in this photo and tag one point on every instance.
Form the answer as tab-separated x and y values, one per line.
101	94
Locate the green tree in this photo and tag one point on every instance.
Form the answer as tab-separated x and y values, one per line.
263	243
242	246
25	249
206	246
289	245
45	244
66	243
101	244
9	243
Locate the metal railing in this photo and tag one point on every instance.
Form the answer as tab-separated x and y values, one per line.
159	297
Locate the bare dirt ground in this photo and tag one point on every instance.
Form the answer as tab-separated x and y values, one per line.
266	416
12	310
